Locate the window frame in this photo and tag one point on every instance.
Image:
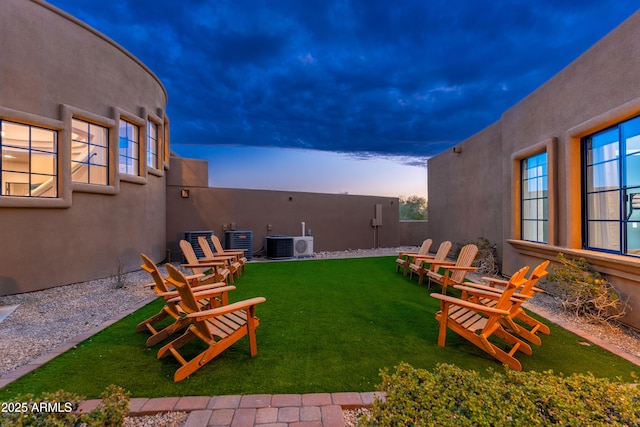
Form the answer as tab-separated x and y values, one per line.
27	147
618	188
108	149
121	115
550	146
64	194
535	199
132	146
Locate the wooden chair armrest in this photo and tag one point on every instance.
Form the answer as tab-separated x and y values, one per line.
149	285
496	281
204	264
442	262
169	294
208	293
194	276
401	253
463	303
240	305
208	286
424	256
212	292
455	267
234	251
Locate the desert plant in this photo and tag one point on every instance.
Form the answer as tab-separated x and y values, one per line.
585	292
487	259
452	396
61	409
120	275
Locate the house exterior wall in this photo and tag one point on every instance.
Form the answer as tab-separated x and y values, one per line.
599	89
337	221
55	68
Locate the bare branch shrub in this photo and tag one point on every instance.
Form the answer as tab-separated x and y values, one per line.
584	292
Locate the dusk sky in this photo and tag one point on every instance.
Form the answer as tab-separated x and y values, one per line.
343	96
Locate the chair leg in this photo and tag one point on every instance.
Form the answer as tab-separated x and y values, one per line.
142	326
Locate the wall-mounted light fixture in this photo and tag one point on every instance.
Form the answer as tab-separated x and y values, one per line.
457	149
184	193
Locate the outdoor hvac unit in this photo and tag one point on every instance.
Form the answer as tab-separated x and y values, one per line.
240	240
192	237
278	247
303	246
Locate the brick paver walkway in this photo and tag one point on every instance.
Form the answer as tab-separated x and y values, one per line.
277	410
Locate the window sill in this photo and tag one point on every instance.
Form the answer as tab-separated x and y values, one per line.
34	202
616	265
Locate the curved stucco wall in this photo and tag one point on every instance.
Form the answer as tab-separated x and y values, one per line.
54	68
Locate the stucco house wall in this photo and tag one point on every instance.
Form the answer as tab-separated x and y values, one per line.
599	89
55	68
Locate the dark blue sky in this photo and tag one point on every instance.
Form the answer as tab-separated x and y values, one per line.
365	77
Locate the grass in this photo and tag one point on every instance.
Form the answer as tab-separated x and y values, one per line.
327	326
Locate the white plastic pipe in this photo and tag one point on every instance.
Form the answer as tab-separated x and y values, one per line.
303	233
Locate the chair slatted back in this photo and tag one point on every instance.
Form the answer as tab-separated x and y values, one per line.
505	303
443	250
216	244
190	256
465	259
151	268
206	248
538	273
188	301
424	248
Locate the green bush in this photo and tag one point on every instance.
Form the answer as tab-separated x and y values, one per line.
585	292
60	409
452	396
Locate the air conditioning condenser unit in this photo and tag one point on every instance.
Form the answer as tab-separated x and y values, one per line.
303	246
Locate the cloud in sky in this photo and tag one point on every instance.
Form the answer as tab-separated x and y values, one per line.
370	77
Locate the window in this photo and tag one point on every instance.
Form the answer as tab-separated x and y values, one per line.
29	160
153	145
611	183
89	153
129	148
535	198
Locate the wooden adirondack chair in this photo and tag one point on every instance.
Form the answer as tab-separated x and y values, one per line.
418	265
215	269
240	253
217	328
208	296
454	273
477	323
231	261
405	258
526	326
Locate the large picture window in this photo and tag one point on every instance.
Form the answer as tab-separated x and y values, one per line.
611	185
129	148
89	153
28	160
535	198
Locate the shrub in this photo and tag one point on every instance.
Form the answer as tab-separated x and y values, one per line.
585	292
60	409
452	396
487	258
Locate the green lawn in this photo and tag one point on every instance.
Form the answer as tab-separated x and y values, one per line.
327	326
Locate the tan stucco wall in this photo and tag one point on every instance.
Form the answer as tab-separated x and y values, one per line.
337	221
599	89
54	67
460	207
